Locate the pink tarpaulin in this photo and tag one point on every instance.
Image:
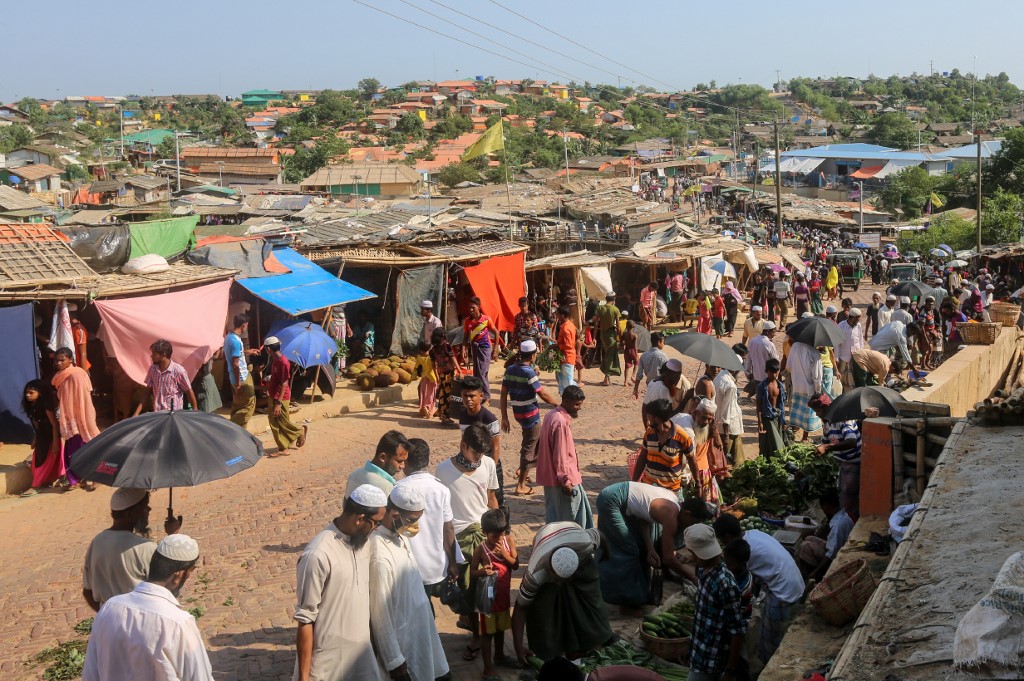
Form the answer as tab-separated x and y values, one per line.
192	321
500	283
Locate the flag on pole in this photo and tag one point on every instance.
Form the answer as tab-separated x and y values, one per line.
935	201
490	141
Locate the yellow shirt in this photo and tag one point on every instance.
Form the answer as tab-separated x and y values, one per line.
691	306
425	368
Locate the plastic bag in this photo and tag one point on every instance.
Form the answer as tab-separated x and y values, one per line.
146	264
898	521
657	588
486	591
451	595
989	641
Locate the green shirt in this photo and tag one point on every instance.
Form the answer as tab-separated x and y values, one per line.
607	317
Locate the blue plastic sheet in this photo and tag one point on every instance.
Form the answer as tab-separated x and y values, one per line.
306	288
21	365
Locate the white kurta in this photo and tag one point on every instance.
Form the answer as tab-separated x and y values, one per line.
400	614
144	634
333	591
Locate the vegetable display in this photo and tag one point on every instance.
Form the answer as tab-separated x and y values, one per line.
787	482
622	653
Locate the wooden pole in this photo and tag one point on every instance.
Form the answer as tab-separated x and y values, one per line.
897	457
977	218
922	449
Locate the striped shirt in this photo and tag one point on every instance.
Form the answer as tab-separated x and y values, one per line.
169	386
523	385
841	431
666	463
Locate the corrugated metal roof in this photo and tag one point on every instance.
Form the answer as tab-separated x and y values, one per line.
227	152
13	199
384	173
36	171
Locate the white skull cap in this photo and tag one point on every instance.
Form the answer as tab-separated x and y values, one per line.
407	498
180	547
564	562
369	496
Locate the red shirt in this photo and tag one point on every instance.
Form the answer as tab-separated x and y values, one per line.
280	388
718	308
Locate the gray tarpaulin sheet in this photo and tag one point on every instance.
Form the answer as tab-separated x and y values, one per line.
104	248
414	286
245	256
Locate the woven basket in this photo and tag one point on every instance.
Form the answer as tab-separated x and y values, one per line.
844	592
1004	313
669	649
979	333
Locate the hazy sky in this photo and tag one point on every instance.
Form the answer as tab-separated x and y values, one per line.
108	47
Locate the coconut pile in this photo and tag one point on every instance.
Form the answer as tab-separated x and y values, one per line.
380	373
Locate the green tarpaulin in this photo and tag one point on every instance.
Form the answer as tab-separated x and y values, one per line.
168	238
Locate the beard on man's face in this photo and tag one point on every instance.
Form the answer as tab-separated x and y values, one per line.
359	540
701	433
142	526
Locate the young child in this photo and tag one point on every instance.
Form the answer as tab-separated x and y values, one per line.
444	364
691	309
473	412
428	381
496	556
736	555
630	356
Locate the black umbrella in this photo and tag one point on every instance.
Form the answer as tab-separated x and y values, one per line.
912	289
850	405
705	348
167	449
815	331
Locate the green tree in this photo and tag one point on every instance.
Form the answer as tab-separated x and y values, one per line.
306	161
951	230
894	130
455	173
14	137
368	87
908	190
1002	218
166	148
1005	170
410	124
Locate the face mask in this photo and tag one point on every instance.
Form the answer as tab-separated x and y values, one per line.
409	531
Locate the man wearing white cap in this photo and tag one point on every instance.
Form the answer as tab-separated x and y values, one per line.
333	595
754	325
404	633
559	602
853	331
762	348
279	391
430	322
718	625
118	558
521	387
902	313
145	634
885	312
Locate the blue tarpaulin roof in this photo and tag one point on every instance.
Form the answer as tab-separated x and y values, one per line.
306	288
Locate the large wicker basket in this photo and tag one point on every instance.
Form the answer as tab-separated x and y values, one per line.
669	649
844	592
1004	313
979	333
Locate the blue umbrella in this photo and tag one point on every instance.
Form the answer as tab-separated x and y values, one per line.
947	249
938	253
305	343
861	244
724	268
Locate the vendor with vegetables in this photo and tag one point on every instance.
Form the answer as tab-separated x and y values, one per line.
816	554
776	571
843	440
559	602
632	516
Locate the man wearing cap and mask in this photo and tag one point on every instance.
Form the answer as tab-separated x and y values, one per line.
404	633
279	391
118	558
430	322
333	595
885	312
559	602
718	626
145	634
521	387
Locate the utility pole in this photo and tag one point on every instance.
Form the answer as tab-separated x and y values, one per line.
177	160
978	216
565	147
430	213
778	184
120	114
757	162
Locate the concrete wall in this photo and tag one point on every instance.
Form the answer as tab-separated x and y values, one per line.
969	376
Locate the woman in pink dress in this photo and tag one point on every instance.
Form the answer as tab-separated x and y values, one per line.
46	461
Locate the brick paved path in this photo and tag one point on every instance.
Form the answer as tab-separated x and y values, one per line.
251	529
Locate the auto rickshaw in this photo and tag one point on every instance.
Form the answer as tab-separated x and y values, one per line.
850	264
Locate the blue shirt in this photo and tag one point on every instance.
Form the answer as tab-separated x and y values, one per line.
839	528
840	432
233	348
523	385
717	618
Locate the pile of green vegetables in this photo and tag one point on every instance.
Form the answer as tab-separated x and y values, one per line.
787	482
622	653
550	360
673	623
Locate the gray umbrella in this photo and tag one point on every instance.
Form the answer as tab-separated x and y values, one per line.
850	405
705	348
912	289
816	332
643	338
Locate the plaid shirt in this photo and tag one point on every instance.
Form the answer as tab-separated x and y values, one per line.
169	386
717	618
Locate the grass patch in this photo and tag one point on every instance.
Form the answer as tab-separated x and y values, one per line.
65	660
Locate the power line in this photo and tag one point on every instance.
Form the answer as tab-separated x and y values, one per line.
527	40
584	47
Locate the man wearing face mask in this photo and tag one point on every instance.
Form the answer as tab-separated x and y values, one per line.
333	593
404	632
146	633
